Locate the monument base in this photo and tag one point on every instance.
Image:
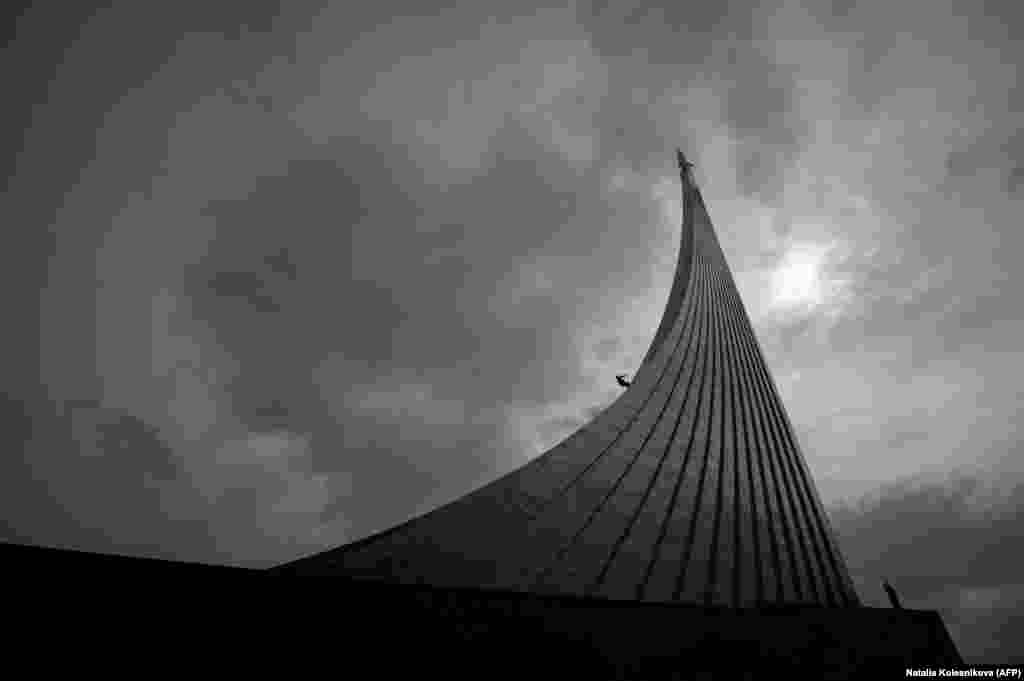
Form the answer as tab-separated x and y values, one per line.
408	631
540	636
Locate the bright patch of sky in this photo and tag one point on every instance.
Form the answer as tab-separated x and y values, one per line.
803	283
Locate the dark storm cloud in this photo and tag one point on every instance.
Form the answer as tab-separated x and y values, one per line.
248	286
955	546
111	496
907	319
962	531
998	150
314	270
129	442
760	111
87	488
1014	179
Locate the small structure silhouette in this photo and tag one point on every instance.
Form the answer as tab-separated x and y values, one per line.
684	164
894	599
623	381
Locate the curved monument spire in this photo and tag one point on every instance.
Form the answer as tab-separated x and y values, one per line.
690	487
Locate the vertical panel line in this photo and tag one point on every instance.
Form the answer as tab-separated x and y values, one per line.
702	349
832	573
761	456
692	341
678	364
622	430
698	499
796	537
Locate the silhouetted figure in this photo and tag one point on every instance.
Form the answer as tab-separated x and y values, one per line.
894	600
623	381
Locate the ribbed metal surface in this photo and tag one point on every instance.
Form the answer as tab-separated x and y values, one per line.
690	487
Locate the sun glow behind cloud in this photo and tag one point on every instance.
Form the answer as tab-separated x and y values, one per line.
797	281
801	282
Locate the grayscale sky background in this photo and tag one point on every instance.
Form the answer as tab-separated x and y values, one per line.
279	278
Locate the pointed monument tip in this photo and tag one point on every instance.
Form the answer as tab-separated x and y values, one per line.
681	159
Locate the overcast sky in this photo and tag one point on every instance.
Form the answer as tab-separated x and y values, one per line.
279	278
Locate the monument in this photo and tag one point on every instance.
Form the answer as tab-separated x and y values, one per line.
689	488
679	527
677	535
